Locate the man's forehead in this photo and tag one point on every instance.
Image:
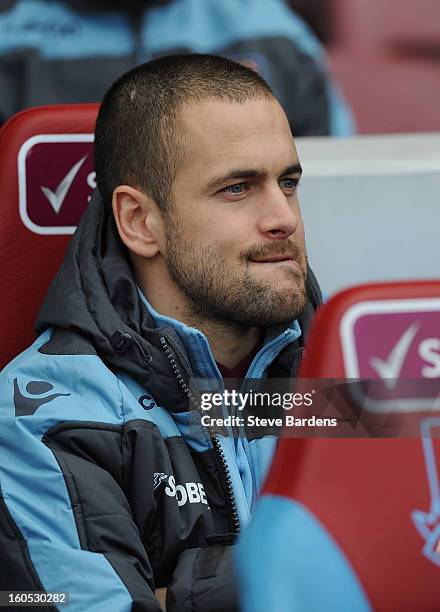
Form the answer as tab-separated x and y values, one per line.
227	117
227	134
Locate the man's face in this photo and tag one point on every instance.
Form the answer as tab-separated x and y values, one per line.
234	240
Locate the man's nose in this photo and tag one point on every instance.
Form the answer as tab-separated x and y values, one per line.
279	215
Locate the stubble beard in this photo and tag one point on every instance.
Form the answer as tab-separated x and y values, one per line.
217	293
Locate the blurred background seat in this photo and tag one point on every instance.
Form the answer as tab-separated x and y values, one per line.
386	58
378	26
389	94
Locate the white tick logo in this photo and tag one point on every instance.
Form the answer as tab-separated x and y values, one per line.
57	198
390	368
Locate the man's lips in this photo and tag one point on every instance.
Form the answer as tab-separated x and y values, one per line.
274	259
279	261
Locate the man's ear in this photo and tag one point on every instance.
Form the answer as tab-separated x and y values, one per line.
139	221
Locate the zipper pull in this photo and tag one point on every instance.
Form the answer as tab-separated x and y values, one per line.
122	341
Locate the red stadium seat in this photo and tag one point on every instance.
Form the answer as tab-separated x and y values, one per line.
47	175
378	500
378	25
385	57
388	94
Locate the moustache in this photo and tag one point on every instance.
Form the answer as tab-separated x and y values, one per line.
286	249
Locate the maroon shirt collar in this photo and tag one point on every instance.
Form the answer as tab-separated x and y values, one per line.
239	371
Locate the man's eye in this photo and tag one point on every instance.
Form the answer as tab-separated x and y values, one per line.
290	184
236	189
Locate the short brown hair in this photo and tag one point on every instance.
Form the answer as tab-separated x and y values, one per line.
137	136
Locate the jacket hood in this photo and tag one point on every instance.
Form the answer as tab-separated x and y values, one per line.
95	295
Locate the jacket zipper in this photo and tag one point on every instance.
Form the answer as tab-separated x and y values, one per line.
167	343
229	491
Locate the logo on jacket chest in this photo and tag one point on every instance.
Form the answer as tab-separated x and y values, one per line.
186	493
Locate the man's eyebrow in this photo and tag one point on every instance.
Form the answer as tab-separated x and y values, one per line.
236	174
293	169
250	173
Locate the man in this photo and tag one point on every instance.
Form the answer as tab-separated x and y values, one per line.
107	490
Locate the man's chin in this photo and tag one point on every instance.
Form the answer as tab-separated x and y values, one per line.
279	318
273	312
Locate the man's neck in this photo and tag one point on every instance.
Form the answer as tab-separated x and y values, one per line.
230	342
